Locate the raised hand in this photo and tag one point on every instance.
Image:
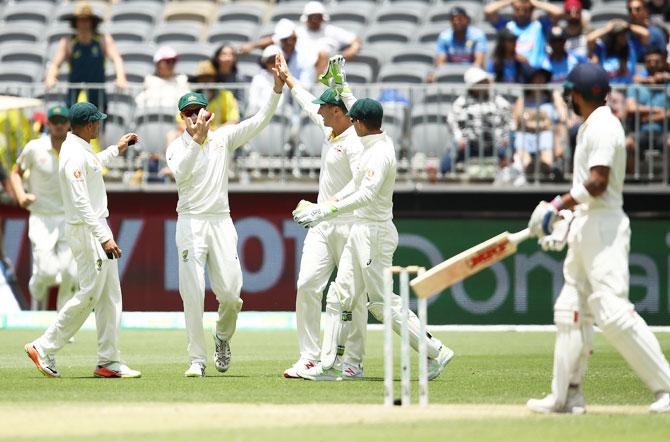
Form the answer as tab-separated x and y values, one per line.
279	75
200	128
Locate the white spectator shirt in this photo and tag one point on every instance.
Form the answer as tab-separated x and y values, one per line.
162	93
329	38
601	142
260	91
40	160
82	186
201	171
339	154
374	179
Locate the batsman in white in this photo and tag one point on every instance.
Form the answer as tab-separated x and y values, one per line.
52	258
324	243
205	235
596	265
372	241
93	248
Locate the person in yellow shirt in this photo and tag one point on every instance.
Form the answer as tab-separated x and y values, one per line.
222	102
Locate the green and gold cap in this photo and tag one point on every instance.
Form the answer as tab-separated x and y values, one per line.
366	109
329	96
192	98
58	111
82	113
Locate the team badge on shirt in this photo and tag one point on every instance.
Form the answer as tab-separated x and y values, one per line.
184	255
77	174
370	173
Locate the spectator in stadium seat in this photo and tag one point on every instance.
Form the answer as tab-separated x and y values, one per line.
639	22
222	102
262	83
163	88
537	114
316	31
480	121
650	100
530	33
86	53
224	61
575	27
460	44
560	60
613	49
506	64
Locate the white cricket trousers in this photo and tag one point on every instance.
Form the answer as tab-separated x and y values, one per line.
53	263
211	242
99	289
321	253
596	289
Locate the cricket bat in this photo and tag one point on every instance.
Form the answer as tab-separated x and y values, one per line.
469	262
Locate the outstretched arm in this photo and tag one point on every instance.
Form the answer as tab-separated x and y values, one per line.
302	96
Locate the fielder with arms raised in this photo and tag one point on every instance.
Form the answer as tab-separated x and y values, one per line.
324	243
369	249
93	248
596	265
205	233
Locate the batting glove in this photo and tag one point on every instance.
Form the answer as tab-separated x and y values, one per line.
544	216
559	236
313	215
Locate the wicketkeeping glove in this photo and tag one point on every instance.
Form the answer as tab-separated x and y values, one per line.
314	214
302	205
559	236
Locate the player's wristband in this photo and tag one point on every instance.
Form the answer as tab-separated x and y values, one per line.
580	194
557	202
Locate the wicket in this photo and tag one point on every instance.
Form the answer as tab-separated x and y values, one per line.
405	388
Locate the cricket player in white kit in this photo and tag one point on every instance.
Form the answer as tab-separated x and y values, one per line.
369	249
93	248
596	266
324	243
205	235
52	259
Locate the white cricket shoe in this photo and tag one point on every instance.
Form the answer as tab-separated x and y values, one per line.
292	372
662	404
436	366
352	372
575	404
46	364
221	354
115	370
196	370
318	373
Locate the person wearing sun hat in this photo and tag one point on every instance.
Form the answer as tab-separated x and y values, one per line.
163	87
93	247
85	52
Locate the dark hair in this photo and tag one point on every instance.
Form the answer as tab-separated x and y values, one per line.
655	50
611	48
499	53
224	78
372	123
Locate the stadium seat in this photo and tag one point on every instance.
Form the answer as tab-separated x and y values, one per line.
58	30
271	141
429	32
116	125
244	12
20	33
396	13
290	10
190	55
311	137
131	52
23	52
140	11
440	13
153	125
177	32
430	132
190	11
605	12
439	94
130	32
359	72
119	103
369	57
266	30
383	33
232	31
403	73
413	54
353	11
451	73
247	69
351	26
16	72
30	11
135	71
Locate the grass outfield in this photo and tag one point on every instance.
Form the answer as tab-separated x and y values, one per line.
480	395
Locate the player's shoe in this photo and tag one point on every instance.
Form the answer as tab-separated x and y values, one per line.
221	354
292	372
196	370
575	404
662	404
318	373
334	75
352	372
115	370
436	365
46	364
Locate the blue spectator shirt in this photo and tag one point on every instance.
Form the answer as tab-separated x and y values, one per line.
561	68
656	38
613	67
512	71
462	51
531	41
645	96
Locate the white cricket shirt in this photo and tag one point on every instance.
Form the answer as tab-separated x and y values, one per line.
82	186
339	154
201	171
601	142
41	161
372	199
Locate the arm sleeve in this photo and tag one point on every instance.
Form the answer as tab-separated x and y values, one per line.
238	134
347	190
304	99
181	158
602	149
106	155
481	45
441	45
348	97
75	175
372	182
25	160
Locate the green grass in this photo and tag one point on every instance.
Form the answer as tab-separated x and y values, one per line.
490	368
